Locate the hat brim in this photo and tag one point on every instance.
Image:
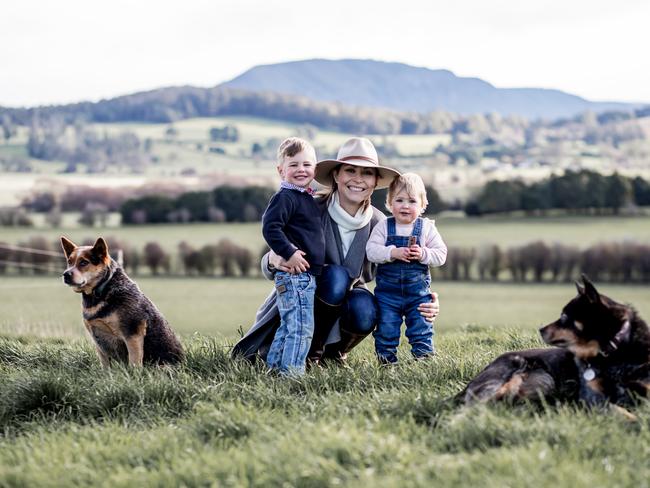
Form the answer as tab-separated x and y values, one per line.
323	173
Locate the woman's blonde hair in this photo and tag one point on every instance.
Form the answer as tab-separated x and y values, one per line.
412	184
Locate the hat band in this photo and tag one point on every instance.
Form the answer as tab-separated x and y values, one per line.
363	158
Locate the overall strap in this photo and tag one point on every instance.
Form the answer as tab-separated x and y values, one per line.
390	226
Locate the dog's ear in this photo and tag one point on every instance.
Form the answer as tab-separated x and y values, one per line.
580	288
590	290
100	249
68	246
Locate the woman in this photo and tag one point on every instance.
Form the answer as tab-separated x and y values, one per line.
345	311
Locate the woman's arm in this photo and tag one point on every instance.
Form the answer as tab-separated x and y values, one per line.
430	310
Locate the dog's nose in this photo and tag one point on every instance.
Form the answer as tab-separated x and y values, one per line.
67	276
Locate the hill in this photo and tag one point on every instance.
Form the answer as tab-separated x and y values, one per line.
402	87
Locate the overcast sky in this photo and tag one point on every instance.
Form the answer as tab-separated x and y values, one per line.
73	50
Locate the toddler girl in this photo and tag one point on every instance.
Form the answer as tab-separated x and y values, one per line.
404	246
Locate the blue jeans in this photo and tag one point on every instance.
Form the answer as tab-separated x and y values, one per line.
291	343
399	292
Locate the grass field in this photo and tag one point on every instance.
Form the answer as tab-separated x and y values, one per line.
219	307
218	422
214	421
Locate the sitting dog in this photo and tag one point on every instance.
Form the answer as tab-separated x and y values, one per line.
123	323
602	357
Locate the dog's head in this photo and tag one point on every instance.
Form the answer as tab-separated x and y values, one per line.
590	324
86	264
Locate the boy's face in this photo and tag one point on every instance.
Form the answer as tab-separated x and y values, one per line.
299	169
405	208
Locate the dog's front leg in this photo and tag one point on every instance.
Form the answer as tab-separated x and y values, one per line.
103	357
135	344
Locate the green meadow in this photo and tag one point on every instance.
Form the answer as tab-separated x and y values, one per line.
214	421
219	307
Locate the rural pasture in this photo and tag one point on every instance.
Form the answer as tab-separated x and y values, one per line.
218	422
44	306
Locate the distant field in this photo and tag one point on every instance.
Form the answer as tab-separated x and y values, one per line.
505	231
218	307
181	157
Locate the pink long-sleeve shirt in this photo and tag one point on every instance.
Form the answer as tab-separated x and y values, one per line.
433	247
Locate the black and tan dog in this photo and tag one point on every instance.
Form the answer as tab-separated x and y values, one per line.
121	320
602	357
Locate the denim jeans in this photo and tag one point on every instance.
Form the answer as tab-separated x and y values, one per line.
291	343
399	291
358	309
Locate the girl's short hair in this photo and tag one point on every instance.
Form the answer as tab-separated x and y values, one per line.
413	185
292	146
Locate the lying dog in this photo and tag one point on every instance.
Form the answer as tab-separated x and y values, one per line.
602	356
122	322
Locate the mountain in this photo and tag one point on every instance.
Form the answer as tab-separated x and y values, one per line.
402	87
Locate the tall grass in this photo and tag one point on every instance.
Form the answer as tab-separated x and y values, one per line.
66	421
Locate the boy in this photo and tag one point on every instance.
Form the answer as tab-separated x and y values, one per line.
291	226
404	246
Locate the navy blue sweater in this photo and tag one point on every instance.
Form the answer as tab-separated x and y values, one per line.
292	220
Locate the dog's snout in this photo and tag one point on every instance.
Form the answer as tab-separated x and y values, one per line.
67	276
544	330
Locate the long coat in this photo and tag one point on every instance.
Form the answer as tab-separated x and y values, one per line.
360	270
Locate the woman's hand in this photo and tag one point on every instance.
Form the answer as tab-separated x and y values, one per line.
430	310
297	263
278	263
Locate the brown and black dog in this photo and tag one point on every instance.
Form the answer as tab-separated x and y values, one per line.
602	357
123	323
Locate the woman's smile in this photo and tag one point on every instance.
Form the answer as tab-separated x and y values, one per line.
355	184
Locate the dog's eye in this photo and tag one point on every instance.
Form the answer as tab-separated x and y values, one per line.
83	263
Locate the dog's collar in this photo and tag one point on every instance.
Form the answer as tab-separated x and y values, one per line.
622	336
98	291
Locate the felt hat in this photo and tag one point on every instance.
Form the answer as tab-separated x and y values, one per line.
356	151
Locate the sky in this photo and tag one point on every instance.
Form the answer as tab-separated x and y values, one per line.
77	50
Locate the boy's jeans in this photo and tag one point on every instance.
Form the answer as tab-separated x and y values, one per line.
295	299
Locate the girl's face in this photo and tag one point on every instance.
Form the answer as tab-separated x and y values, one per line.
354	184
405	208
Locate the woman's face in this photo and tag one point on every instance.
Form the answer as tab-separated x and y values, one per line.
354	185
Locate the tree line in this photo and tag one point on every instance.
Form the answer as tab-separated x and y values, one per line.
223	204
534	262
52	139
167	105
36	255
574	191
538	262
582	192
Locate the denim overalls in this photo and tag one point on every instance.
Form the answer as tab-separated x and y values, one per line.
401	287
